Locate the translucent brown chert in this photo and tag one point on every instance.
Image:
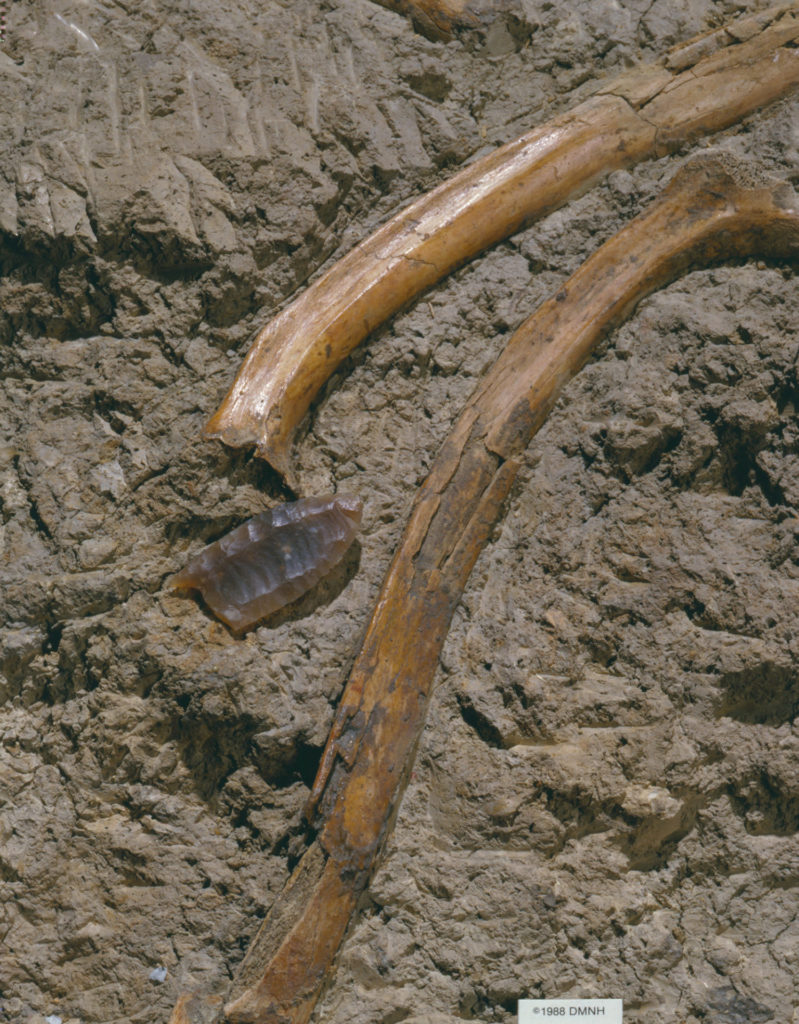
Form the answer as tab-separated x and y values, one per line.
273	558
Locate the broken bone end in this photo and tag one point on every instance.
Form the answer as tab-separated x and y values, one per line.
274	449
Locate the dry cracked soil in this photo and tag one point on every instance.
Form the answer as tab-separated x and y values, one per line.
605	800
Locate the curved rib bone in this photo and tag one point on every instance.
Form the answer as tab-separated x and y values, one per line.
644	114
716	209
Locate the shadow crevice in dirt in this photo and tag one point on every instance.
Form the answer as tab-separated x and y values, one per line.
764	693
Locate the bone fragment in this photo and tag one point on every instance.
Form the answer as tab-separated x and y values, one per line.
643	114
716	209
440	18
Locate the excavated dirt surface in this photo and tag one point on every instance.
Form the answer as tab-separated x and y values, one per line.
606	797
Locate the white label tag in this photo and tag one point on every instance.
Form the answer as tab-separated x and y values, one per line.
537	1011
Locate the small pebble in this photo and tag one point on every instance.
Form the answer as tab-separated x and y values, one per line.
157	974
53	1019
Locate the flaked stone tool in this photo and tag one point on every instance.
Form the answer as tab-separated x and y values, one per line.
716	209
273	558
703	86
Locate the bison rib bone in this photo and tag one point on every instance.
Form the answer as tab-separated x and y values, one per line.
643	114
716	209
